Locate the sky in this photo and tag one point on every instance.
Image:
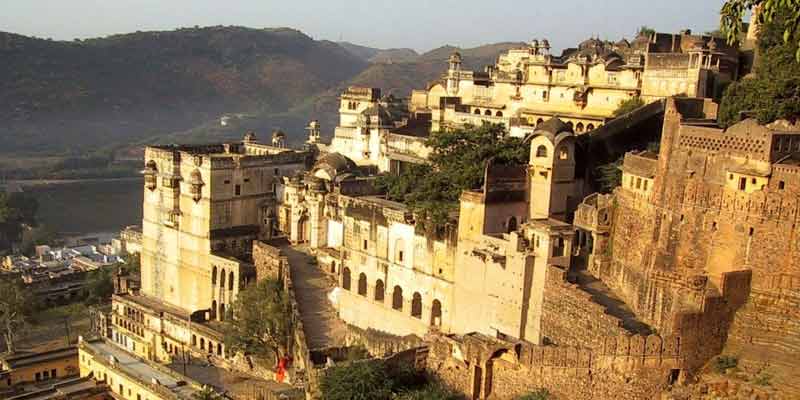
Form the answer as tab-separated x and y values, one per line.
421	25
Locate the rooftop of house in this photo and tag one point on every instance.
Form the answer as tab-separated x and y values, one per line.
138	369
20	360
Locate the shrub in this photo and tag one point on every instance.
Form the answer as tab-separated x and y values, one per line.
538	394
724	363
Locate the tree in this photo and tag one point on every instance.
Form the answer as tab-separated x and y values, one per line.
645	30
377	379
626	106
133	263
457	162
258	322
16	211
773	91
15	305
785	12
99	286
609	176
206	393
538	394
365	380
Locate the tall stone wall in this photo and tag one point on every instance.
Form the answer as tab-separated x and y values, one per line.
570	316
629	367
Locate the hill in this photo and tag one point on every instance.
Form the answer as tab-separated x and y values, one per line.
87	94
75	98
374	55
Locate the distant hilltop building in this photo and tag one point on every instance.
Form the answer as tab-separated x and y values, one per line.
582	87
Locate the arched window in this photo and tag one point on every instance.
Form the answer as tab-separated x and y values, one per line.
202	343
214	309
219	349
222	312
214	275
397	298
579	127
478	111
416	305
512	224
222	279
194	340
498	114
210	347
488	113
230	280
569	124
436	313
541	151
362	285
346	278
379	290
589	127
539	121
333	267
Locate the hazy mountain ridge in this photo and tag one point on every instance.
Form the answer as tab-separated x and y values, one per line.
72	97
136	85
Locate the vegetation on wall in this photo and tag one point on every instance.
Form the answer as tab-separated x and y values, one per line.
378	380
773	90
457	162
628	105
257	322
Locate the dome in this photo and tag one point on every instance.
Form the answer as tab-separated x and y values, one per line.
535	43
250	136
545	44
330	165
455	57
278	134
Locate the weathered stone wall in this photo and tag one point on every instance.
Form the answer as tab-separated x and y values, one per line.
637	367
570	317
270	263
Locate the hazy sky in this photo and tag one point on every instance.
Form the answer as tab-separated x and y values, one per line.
419	24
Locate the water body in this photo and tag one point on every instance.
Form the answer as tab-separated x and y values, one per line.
93	206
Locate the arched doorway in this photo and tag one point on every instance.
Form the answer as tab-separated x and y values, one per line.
346	278
397	298
379	291
436	313
416	305
512	224
362	284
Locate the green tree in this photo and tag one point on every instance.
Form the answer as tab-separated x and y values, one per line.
15	306
773	91
365	380
538	394
457	162
16	211
99	286
206	393
257	322
786	13
645	30
609	176
133	263
626	106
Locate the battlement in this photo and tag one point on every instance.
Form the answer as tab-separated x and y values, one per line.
361	93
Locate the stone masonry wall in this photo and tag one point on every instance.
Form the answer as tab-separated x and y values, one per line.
637	367
566	314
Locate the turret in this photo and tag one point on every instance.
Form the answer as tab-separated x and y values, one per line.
313	132
278	138
454	74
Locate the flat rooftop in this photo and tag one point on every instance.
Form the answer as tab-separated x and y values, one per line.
18	361
138	369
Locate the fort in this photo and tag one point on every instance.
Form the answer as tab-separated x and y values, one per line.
536	282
